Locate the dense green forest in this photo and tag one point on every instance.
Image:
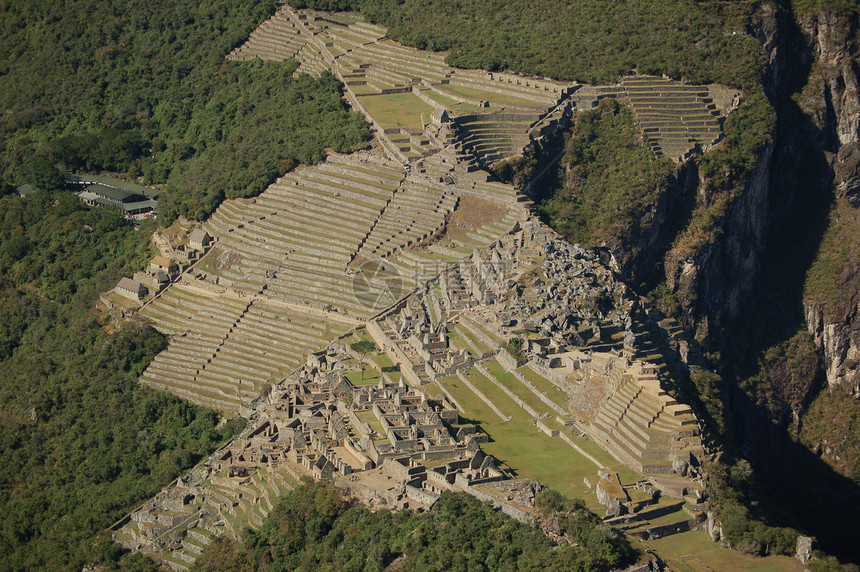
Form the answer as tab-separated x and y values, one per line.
80	441
143	89
589	40
315	528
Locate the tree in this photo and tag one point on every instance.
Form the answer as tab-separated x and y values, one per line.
362	348
41	172
515	347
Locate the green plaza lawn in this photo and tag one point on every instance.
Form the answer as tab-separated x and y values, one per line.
397	110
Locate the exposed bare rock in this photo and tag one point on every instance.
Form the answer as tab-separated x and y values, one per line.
836	325
833	42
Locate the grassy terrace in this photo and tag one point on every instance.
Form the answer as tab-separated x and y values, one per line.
519	445
498	397
207	263
545	386
333	183
343	182
363	90
533	454
528	451
369	418
438	97
696	552
392	175
518	389
473	407
499	98
382	361
371	376
430	255
431	308
627	474
453	106
456	340
359	334
432	390
397	110
481	327
466	334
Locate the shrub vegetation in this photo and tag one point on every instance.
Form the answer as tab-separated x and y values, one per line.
608	179
315	528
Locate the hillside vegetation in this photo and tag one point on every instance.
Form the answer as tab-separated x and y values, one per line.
143	89
139	88
80	441
609	180
315	528
589	40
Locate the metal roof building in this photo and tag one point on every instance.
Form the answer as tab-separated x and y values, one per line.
133	199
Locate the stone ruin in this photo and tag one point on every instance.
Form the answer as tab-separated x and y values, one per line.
364	239
577	326
387	444
392	444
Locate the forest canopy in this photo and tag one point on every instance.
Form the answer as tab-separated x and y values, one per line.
590	41
315	528
80	441
143	89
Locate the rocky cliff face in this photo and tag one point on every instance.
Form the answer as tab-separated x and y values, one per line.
816	58
833	101
838	337
638	253
713	282
833	39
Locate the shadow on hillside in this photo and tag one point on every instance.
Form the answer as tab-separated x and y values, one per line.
796	488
